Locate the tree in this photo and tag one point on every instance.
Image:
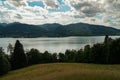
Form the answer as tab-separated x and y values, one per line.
10	48
79	57
70	55
34	56
87	54
61	57
47	57
18	58
114	52
97	54
54	57
107	43
4	63
106	39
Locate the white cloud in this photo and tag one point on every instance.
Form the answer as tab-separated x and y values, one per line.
81	11
88	7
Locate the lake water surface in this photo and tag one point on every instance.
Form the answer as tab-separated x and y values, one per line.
58	44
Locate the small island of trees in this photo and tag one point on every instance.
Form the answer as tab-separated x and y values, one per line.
107	52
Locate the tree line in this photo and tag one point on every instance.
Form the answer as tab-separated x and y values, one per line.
107	52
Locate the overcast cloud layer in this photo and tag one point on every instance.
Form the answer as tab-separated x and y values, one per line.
105	12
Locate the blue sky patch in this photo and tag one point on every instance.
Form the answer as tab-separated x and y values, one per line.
99	16
36	3
60	2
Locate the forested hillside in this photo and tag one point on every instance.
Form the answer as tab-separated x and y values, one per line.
55	30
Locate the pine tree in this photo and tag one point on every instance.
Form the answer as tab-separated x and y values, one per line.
18	58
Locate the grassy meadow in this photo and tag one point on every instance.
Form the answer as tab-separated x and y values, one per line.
65	71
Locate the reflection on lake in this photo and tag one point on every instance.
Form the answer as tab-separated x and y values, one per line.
59	44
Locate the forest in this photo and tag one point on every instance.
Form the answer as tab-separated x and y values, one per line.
107	52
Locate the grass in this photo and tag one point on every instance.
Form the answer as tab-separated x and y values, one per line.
65	71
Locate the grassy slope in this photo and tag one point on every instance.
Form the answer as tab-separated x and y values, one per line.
66	71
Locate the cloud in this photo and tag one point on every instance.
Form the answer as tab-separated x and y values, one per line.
80	11
4	15
88	8
16	3
18	16
0	3
35	10
112	12
51	4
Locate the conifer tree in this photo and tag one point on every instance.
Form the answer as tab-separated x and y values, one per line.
18	58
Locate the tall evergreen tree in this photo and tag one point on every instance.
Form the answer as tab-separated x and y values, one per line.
98	55
87	54
106	39
18	58
107	43
114	52
79	57
4	63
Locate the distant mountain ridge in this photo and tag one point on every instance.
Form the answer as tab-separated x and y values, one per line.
55	30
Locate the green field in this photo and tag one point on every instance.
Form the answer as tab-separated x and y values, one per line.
65	71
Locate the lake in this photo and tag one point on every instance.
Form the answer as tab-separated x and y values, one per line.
57	44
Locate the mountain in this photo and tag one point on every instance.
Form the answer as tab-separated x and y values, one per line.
81	29
55	30
21	30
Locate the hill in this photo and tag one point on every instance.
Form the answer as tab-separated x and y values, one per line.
55	30
82	29
21	30
65	71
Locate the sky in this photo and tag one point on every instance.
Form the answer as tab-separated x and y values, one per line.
100	12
